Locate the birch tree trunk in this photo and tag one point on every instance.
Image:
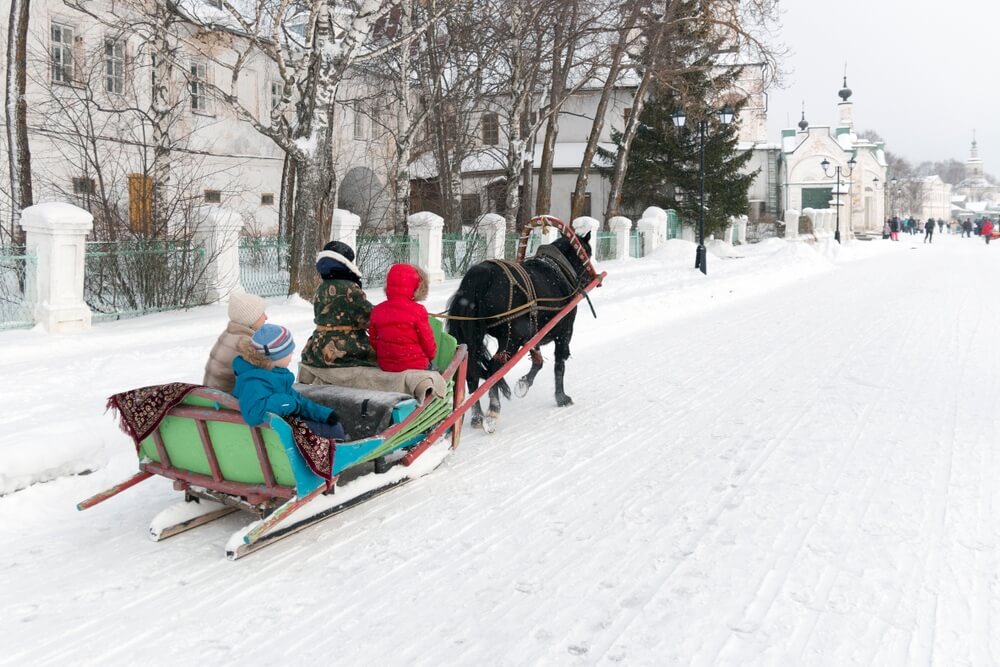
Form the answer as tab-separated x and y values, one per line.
160	115
403	132
16	107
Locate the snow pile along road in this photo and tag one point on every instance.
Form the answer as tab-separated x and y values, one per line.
790	461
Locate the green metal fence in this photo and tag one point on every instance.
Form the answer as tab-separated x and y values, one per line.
129	278
264	264
510	246
673	224
16	265
636	245
460	251
375	254
605	246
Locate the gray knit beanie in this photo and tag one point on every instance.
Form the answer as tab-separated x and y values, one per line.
245	308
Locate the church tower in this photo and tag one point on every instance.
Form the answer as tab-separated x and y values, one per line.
974	165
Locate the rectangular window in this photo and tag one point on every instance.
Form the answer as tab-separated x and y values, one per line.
586	204
83	186
359	123
470	209
140	204
196	85
267	199
277	91
213	196
376	121
114	66
491	129
62	53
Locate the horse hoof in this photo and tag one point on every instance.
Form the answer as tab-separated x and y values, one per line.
563	401
490	424
521	388
477	422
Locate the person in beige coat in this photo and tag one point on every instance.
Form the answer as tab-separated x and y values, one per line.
246	315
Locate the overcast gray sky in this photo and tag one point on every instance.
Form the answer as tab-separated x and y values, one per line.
924	73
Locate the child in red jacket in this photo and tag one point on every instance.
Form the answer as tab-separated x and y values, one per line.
398	329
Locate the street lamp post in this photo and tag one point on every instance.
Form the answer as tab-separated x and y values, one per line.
850	170
679	118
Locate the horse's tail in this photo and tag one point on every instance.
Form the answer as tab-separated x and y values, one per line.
469	328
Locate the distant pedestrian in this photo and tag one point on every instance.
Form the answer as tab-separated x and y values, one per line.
929	231
987	230
894	229
940	226
886	230
967	228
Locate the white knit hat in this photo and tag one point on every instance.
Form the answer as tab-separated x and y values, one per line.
245	308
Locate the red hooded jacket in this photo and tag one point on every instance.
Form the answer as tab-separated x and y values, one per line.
398	329
987	228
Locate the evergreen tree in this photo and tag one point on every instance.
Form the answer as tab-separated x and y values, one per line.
663	163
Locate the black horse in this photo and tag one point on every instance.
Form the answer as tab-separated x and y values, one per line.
511	302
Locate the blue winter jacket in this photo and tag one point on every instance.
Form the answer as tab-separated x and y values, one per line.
260	391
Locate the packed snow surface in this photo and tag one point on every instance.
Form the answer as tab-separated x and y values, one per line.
791	461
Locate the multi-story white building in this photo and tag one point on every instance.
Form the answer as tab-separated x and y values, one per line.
89	92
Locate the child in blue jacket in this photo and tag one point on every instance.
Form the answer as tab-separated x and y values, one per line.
264	383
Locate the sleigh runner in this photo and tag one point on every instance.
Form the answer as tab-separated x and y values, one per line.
223	465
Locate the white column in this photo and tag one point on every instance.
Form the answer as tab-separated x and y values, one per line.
585	224
345	228
621	226
219	232
792	225
427	227
649	228
688	233
56	235
494	228
741	229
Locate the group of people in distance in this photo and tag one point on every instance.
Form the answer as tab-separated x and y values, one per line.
251	357
892	227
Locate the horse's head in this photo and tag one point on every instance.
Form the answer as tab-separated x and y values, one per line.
578	257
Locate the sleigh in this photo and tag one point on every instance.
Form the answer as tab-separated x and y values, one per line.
223	465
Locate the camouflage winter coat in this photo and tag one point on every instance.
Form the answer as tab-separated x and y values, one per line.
341	311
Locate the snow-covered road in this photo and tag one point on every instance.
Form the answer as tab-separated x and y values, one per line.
791	462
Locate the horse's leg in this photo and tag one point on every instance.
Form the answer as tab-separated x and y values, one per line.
490	421
524	384
472	380
562	354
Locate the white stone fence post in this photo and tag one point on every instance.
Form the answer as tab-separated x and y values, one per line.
653	225
792	225
218	232
427	227
494	228
345	228
56	234
621	226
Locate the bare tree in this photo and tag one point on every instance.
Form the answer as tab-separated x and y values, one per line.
16	109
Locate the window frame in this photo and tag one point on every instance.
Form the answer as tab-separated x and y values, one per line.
198	87
264	196
212	196
62	67
110	60
490	122
359	123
